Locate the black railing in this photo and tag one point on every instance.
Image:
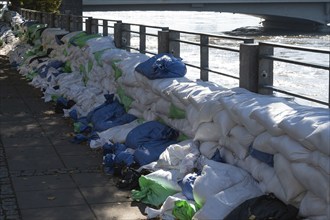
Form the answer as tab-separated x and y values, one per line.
255	69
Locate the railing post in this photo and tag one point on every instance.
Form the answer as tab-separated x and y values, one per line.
248	67
265	72
174	45
95	26
89	25
142	31
204	57
164	41
118	33
126	36
68	23
105	28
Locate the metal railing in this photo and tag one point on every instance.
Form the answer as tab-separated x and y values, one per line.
256	61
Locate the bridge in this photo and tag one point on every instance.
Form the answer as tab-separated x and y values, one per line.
301	14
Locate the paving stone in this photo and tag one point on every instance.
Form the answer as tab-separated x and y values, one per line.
81	212
49	198
98	195
62	181
119	211
94	179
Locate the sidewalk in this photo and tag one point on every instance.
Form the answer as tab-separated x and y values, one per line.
43	175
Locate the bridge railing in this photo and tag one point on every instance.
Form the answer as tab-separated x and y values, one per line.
255	61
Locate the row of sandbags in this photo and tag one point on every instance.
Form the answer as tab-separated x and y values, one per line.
283	146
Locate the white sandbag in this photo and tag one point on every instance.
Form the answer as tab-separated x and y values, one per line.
208	148
320	161
319	138
207	131
271	115
180	156
167	179
207	111
113	55
229	156
68	36
312	179
143	95
216	177
291	186
161	106
234	146
182	125
304	122
149	115
268	181
224	122
262	143
99	43
290	149
119	133
218	206
311	205
238	95
249	164
242	135
165	212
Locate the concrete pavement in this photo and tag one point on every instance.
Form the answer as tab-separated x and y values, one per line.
42	174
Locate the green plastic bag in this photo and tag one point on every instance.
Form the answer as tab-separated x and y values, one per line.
124	99
183	210
118	72
151	192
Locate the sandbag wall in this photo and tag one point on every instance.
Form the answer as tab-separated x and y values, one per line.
284	146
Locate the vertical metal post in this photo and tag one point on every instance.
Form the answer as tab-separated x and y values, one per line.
95	26
204	57
89	25
164	41
105	28
174	44
265	70
51	20
126	36
142	31
68	23
248	67
118	33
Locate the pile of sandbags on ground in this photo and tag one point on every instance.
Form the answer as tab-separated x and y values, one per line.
216	147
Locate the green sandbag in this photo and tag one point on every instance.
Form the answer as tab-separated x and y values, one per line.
81	41
124	99
151	192
118	72
176	113
67	67
183	210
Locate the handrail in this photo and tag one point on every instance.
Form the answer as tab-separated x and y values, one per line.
255	60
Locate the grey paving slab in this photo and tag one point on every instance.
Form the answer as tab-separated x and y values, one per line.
49	198
99	195
15	117
13	106
32	183
119	211
35	140
71	149
8	129
41	157
82	161
94	180
81	212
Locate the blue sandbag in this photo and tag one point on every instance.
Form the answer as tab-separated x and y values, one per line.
109	114
161	66
149	140
187	184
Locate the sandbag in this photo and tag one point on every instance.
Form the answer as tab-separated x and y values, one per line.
162	66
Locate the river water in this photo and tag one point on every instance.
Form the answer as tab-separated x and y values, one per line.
302	80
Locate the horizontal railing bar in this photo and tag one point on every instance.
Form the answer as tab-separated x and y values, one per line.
286	60
213	71
247	40
295	95
308	49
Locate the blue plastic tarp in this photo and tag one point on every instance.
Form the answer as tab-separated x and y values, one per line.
161	66
149	140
